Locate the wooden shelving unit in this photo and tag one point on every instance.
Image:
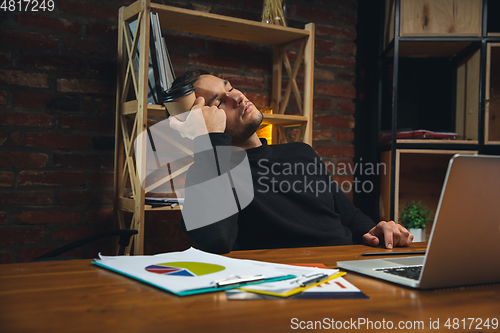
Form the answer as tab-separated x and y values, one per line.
454	34
137	110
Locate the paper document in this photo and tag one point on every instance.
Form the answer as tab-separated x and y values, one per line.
194	271
294	286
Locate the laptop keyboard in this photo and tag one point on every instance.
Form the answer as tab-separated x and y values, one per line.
410	272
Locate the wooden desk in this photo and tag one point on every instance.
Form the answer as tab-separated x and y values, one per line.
75	296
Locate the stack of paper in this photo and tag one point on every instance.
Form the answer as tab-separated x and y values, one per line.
194	271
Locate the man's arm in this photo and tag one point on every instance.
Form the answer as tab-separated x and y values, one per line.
364	229
203	201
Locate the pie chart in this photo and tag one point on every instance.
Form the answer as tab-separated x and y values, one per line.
184	268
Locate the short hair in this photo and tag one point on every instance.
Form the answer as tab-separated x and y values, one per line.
189	77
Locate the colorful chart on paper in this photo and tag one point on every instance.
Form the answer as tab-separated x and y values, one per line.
184	268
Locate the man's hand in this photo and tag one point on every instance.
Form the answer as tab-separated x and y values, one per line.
200	120
391	233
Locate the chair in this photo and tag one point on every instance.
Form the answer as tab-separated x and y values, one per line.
123	242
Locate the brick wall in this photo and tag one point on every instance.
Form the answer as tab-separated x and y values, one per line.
57	83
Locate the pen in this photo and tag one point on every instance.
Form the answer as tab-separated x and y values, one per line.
238	280
391	253
308	280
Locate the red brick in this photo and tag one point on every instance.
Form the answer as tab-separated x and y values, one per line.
51	178
250	4
334	121
335	91
19	78
86	86
321	74
102	30
337	62
229	48
21	235
259	64
17	159
15	138
3	138
351	5
314	13
176	58
27	39
44	22
55	141
214	62
84	161
53	63
3	217
346	78
244	82
3	97
87	123
84	45
6	178
322	135
322	103
240	13
344	136
29	99
103	68
340	33
106	105
5	256
72	234
41	120
84	9
324	45
5	58
47	217
101	179
29	198
78	197
347	19
346	107
100	216
349	48
335	151
183	41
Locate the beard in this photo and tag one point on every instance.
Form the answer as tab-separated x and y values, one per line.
240	135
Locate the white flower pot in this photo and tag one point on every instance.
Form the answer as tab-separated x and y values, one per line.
418	234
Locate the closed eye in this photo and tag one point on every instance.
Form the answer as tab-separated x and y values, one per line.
220	103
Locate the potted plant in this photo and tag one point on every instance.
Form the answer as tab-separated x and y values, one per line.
414	217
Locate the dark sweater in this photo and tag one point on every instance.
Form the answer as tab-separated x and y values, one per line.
296	204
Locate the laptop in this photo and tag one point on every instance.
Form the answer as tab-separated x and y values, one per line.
464	246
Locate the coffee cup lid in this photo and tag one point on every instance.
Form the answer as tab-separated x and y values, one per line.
176	92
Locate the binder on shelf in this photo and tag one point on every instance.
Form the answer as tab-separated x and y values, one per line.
161	74
193	271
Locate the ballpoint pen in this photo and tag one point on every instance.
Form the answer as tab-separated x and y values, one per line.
311	279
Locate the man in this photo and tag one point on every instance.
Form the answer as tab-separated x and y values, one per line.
291	206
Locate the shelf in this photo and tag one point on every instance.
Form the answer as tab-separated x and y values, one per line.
128	205
219	26
133	72
428	48
283	119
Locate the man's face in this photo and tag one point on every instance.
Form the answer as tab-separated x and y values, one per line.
242	117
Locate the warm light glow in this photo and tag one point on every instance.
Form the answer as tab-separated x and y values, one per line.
265	131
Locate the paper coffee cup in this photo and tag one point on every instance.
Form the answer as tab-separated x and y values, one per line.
179	99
